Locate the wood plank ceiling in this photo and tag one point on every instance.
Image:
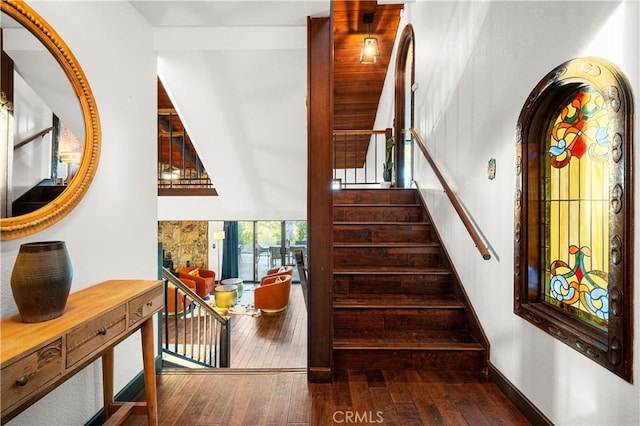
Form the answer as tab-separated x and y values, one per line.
169	123
357	87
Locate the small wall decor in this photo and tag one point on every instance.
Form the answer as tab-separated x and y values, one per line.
491	169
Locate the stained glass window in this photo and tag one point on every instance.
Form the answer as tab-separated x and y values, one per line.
576	208
573	239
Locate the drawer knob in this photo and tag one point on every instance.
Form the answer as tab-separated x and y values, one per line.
102	331
22	381
149	304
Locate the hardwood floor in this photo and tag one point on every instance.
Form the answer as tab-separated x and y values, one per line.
272	340
272	397
267	385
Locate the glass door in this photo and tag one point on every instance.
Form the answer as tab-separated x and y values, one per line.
265	245
268	245
245	251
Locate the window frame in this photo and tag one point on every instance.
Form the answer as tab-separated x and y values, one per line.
613	348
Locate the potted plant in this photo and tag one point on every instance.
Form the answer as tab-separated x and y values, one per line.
387	166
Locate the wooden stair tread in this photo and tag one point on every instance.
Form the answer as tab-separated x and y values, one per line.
394	299
384	223
397	301
386	244
390	340
389	270
381	204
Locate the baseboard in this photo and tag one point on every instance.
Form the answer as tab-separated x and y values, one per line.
128	393
530	411
319	375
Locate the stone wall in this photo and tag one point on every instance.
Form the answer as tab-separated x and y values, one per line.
186	241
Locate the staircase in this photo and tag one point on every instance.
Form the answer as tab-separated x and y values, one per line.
396	301
35	198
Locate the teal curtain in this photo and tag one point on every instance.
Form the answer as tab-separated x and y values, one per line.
230	251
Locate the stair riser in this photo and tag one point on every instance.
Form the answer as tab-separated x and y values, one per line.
364	319
377	214
403	316
355	257
392	284
382	233
441	360
374	196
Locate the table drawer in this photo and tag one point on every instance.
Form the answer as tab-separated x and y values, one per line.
146	304
27	375
93	334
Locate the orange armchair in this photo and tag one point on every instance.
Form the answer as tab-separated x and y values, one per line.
278	272
273	293
182	302
205	279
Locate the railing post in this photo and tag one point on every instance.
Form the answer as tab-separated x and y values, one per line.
388	133
225	344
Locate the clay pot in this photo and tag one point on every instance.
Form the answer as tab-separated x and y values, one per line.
41	280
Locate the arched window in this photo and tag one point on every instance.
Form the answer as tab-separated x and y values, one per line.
574	207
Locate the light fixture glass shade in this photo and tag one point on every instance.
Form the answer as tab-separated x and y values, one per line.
370	51
170	173
218	235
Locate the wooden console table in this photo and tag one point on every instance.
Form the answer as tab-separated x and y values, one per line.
37	357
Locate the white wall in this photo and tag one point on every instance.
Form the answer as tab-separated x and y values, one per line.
244	108
112	233
476	63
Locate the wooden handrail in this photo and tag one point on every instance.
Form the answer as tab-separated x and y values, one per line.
482	248
167	275
358	132
223	339
32	138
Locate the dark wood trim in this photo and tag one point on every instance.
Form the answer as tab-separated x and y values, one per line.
405	43
611	347
6	74
526	407
319	197
187	192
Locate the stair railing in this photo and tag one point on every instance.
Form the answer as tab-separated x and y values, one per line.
468	224
31	138
359	157
193	333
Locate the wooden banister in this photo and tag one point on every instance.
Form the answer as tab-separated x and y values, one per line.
359	132
482	248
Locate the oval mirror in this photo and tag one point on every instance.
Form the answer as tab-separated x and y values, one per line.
49	129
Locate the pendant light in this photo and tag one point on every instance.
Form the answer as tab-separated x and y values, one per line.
370	50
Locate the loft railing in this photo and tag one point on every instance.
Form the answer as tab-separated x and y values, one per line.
192	331
179	166
359	158
468	224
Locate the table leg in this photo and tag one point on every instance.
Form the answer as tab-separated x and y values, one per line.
107	380
148	363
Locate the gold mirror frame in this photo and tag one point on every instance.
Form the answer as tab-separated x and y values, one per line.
30	223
